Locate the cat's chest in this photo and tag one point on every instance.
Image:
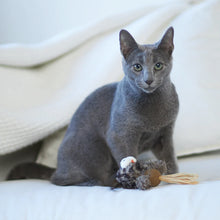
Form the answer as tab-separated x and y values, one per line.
158	114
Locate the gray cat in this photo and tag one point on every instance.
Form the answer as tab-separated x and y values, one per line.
122	119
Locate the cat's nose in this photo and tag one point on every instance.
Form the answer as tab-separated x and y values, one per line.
149	81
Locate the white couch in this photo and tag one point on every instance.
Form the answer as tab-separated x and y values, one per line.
52	55
37	199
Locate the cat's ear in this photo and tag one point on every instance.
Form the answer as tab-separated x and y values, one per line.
166	43
127	43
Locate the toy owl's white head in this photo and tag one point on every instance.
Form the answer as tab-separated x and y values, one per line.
126	161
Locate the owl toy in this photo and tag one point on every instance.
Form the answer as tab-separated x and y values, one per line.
143	175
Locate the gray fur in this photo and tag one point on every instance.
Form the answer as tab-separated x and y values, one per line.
123	119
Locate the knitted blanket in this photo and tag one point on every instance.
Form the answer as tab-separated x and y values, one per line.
42	84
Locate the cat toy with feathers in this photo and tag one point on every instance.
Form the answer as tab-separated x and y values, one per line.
135	174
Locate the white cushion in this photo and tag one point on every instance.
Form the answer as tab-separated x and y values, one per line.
197	78
32	199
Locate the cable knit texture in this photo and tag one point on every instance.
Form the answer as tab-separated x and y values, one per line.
40	96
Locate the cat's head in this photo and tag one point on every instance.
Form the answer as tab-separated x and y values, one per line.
147	66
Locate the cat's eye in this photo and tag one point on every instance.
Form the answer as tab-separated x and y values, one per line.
158	66
137	67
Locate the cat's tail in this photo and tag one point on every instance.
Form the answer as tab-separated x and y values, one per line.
30	171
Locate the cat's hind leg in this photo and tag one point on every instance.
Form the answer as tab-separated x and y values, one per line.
66	178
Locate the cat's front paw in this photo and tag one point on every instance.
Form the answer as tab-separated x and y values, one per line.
172	167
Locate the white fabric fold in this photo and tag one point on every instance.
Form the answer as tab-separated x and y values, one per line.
27	55
37	100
